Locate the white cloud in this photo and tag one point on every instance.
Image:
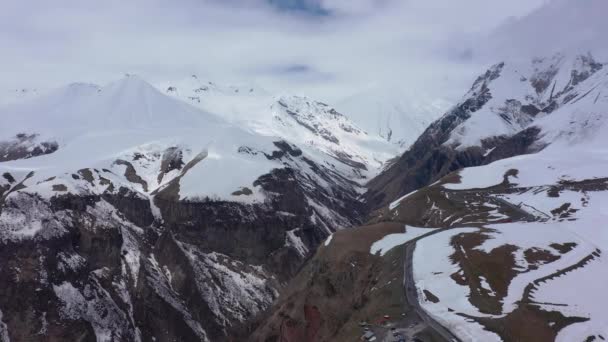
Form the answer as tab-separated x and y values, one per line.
367	41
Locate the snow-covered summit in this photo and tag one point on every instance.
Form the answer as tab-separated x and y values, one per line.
520	95
298	119
127	190
196	89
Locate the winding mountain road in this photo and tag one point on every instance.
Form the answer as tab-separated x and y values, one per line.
409	285
411	293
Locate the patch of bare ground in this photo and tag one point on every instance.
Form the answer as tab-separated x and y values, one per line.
87	175
59	188
497	267
107	183
438	207
594	184
564	211
244	191
563	248
430	296
341	286
530	322
170	191
536	257
131	174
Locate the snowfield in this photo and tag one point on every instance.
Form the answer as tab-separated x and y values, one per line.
300	120
550	260
432	270
95	126
564	294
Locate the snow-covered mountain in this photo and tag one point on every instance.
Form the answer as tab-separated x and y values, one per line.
499	117
298	119
129	214
488	228
540	213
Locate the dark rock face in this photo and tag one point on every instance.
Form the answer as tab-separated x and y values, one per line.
131	175
342	285
427	160
432	156
518	144
172	159
132	266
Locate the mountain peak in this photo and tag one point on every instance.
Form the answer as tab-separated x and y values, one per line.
130	84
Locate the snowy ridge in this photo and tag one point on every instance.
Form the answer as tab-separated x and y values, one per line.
557	192
311	125
522	94
181	204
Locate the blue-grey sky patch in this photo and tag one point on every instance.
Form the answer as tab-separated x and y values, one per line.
310	7
296	69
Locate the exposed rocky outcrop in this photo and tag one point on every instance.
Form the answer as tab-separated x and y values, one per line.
503	126
427	160
110	260
24	146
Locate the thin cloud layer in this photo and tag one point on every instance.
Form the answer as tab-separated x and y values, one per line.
326	48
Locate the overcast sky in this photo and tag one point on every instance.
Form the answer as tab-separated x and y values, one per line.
324	48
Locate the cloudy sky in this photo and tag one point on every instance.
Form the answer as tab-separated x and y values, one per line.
324	48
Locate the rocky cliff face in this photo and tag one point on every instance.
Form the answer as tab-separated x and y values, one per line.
165	232
482	228
496	119
116	264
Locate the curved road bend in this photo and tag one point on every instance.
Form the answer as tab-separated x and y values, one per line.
411	293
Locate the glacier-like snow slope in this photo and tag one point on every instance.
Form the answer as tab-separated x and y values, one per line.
546	92
310	124
96	126
205	215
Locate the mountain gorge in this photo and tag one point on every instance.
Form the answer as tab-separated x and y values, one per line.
134	212
196	210
480	229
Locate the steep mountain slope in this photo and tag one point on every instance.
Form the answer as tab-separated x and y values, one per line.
496	119
519	275
511	250
303	121
152	219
